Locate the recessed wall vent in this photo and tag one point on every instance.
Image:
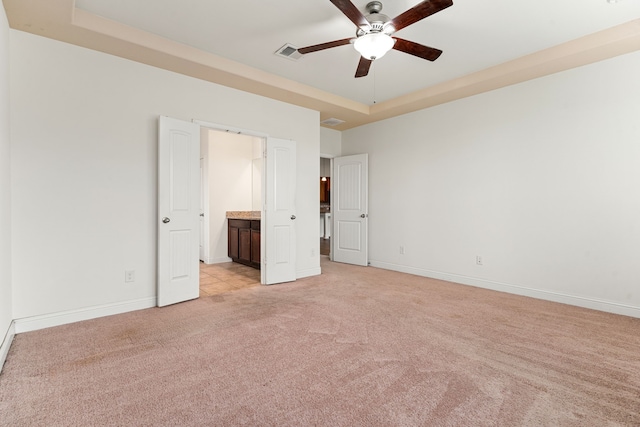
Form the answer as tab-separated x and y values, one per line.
331	122
290	52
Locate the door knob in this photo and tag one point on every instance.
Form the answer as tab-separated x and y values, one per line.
201	214
293	217
165	220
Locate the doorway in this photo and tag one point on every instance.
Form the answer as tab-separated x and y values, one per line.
240	168
232	181
325	206
179	147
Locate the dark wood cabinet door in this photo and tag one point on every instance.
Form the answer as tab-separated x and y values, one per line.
233	242
255	246
244	241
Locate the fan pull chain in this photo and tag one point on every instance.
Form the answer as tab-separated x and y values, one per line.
374	82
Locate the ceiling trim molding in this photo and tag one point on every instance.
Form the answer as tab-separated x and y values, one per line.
618	40
61	20
223	70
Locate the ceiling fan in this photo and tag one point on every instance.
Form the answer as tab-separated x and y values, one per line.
373	34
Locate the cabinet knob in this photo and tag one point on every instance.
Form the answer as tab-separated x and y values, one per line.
363	215
166	220
293	217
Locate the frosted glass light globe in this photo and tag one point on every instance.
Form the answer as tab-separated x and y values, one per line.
373	45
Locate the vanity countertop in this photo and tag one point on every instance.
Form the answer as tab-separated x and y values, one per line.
243	214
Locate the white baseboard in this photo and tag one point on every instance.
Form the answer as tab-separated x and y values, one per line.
34	323
217	260
592	303
6	343
308	272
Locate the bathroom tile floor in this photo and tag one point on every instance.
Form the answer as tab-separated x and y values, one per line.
228	276
218	278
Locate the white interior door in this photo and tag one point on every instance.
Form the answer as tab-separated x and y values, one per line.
178	210
201	248
278	229
349	208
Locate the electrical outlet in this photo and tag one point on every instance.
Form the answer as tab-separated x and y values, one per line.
401	250
130	276
478	260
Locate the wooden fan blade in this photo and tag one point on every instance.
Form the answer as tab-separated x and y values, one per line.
418	12
363	67
352	12
323	46
415	49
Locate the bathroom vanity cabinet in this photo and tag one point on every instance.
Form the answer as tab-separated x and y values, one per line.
244	241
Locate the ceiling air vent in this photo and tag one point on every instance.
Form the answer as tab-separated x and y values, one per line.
331	122
290	52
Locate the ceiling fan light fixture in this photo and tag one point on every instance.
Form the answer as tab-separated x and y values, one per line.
373	45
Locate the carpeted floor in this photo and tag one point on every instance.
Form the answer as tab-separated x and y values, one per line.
355	346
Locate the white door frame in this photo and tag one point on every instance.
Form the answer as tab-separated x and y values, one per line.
205	151
230	129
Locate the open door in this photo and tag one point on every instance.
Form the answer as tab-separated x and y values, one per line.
202	250
278	229
178	211
349	207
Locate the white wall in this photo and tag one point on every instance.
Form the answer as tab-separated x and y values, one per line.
330	142
256	174
539	179
84	130
5	184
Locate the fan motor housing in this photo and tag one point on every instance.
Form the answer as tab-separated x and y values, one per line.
374	7
377	20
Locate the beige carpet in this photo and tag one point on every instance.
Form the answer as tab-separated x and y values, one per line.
353	347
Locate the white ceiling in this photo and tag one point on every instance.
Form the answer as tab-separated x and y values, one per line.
473	34
476	37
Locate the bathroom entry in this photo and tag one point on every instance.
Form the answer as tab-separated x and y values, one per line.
181	147
241	169
232	181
